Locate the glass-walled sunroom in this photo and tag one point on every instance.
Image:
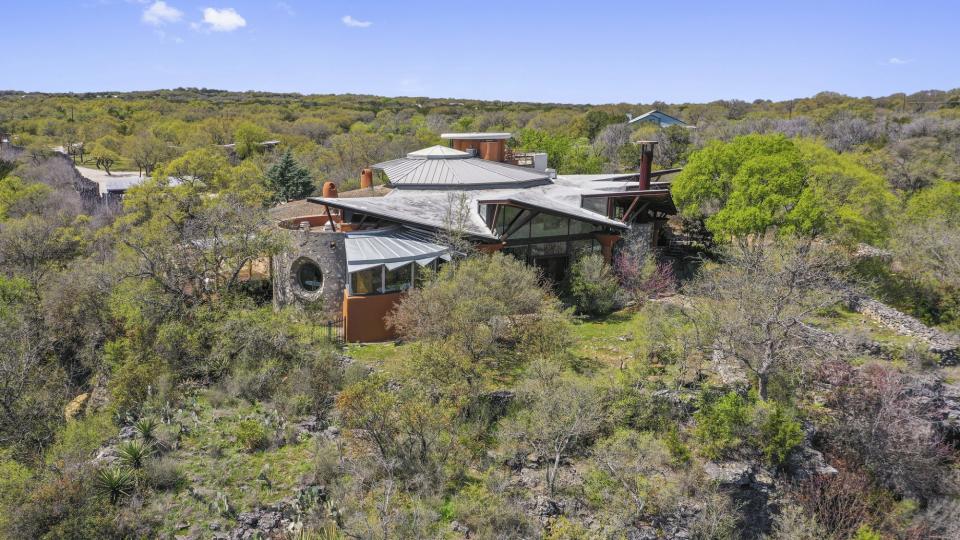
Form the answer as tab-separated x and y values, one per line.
546	240
383	280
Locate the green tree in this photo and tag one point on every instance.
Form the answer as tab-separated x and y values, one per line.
106	152
757	184
492	309
288	180
146	151
593	285
248	138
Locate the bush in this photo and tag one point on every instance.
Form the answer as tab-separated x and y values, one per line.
15	480
779	433
63	506
734	422
722	425
593	286
79	439
252	435
131	384
134	454
164	475
483	305
487	512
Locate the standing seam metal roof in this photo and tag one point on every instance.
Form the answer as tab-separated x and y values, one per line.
471	172
393	247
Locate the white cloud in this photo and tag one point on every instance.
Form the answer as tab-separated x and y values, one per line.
222	20
354	23
159	13
897	61
285	7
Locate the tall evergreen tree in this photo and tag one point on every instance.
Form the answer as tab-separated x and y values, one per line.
288	179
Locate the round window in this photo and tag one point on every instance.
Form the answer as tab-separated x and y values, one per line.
309	276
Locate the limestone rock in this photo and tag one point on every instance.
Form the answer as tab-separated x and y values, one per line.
76	406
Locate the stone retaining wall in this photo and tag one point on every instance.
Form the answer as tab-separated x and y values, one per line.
942	344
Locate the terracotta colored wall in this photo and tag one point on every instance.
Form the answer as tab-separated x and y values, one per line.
490	150
363	316
465	144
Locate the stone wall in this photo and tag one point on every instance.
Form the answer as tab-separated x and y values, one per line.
942	344
327	249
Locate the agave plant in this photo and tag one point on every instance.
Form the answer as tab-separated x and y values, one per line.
114	483
146	428
134	453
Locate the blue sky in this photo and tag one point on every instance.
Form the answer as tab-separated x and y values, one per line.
578	52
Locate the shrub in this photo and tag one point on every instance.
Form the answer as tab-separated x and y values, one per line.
839	503
593	286
722	425
487	512
484	306
867	533
79	439
884	423
164	474
134	454
564	529
15	480
733	422
779	434
146	429
131	384
63	506
252	435
114	483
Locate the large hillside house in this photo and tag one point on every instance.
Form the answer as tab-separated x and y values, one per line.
357	252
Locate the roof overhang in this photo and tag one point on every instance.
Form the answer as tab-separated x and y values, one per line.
582	216
479	136
390	216
392	248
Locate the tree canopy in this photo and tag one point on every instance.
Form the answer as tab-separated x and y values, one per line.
288	180
756	184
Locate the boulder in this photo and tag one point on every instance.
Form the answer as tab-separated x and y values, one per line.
76	406
752	489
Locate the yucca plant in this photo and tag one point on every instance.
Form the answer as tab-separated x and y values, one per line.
146	428
134	453
114	483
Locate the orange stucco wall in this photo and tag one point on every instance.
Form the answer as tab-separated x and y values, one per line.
363	316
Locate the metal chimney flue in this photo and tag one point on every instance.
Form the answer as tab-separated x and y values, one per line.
646	162
366	179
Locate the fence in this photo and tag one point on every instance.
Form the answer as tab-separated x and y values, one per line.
334	330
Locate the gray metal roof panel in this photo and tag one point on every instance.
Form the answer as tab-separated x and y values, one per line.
474	172
392	247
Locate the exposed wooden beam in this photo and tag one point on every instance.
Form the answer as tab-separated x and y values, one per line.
330	218
526	216
642	208
626	213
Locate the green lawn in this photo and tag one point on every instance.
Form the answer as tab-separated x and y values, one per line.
607	341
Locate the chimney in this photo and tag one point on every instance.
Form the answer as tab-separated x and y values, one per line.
646	163
329	190
366	179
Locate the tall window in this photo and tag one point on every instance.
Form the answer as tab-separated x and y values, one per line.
399	279
367	281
